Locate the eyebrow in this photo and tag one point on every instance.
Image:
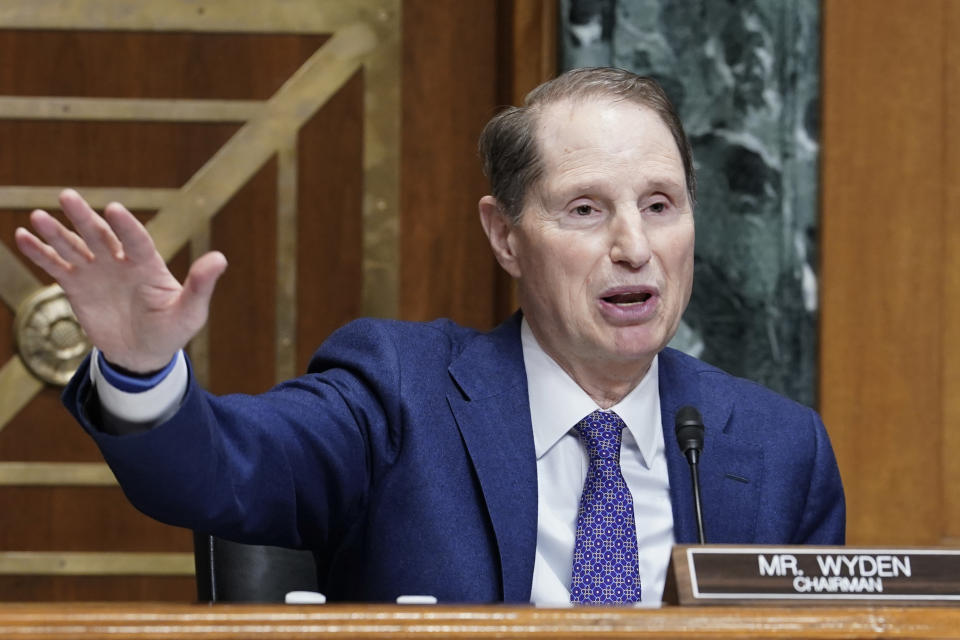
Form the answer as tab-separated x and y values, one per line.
587	188
665	184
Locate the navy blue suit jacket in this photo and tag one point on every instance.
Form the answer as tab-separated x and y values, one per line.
405	460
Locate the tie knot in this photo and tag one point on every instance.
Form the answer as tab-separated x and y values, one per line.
601	432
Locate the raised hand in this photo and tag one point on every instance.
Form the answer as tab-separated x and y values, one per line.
127	301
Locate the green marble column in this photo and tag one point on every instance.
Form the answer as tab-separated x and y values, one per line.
745	78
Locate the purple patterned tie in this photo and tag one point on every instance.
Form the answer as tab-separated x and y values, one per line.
605	555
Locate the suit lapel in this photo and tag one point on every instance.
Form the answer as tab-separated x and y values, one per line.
730	469
493	414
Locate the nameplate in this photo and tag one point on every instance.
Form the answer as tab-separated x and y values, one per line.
805	575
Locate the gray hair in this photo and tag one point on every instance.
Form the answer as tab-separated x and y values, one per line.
508	143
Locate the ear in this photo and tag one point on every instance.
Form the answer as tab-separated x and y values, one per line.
500	231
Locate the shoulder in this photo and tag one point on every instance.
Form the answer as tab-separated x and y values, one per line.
443	334
394	341
781	444
716	384
743	409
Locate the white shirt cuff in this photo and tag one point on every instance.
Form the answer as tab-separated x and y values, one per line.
146	408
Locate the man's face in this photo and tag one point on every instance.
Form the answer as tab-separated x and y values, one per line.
603	251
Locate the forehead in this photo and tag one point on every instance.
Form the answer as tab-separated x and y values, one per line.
577	138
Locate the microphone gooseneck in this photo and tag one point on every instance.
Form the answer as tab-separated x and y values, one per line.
689	428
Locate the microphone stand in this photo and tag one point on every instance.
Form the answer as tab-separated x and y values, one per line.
695	478
689	429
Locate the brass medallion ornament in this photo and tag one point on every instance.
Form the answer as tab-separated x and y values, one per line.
51	342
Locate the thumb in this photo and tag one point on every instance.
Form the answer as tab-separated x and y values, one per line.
200	282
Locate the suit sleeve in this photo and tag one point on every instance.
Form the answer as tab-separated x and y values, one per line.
290	467
824	515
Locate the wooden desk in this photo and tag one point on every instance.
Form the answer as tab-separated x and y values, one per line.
133	620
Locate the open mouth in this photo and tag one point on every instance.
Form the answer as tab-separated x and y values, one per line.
638	297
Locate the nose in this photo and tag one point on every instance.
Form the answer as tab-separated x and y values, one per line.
629	243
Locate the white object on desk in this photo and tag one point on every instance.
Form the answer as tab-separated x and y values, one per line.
416	600
305	597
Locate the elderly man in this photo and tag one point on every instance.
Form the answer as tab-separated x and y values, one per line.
525	464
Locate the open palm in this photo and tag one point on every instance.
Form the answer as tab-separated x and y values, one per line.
126	299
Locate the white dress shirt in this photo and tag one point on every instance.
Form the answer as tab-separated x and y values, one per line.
557	404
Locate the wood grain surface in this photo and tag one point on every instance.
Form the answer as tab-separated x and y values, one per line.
146	621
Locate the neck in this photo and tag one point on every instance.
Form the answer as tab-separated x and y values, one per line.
606	382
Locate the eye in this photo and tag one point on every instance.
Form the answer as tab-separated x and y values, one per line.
583	210
658	207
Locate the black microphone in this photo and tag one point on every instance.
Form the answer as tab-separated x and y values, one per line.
689	426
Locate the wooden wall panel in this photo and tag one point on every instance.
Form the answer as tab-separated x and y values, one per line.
449	91
329	244
882	384
149	65
493	53
950	295
80	519
242	311
529	45
60	589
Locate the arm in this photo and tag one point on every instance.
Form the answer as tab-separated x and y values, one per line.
289	467
824	514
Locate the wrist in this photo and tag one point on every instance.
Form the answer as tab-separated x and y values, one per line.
136	366
133	381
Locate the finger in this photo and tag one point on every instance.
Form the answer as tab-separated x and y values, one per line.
200	282
133	236
68	244
41	254
92	228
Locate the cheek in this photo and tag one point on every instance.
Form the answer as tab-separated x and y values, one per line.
686	259
685	275
560	267
677	254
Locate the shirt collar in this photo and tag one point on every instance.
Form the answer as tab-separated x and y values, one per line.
557	403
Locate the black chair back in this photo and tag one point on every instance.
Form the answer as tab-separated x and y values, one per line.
233	572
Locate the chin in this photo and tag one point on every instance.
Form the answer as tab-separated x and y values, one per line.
640	354
638	342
